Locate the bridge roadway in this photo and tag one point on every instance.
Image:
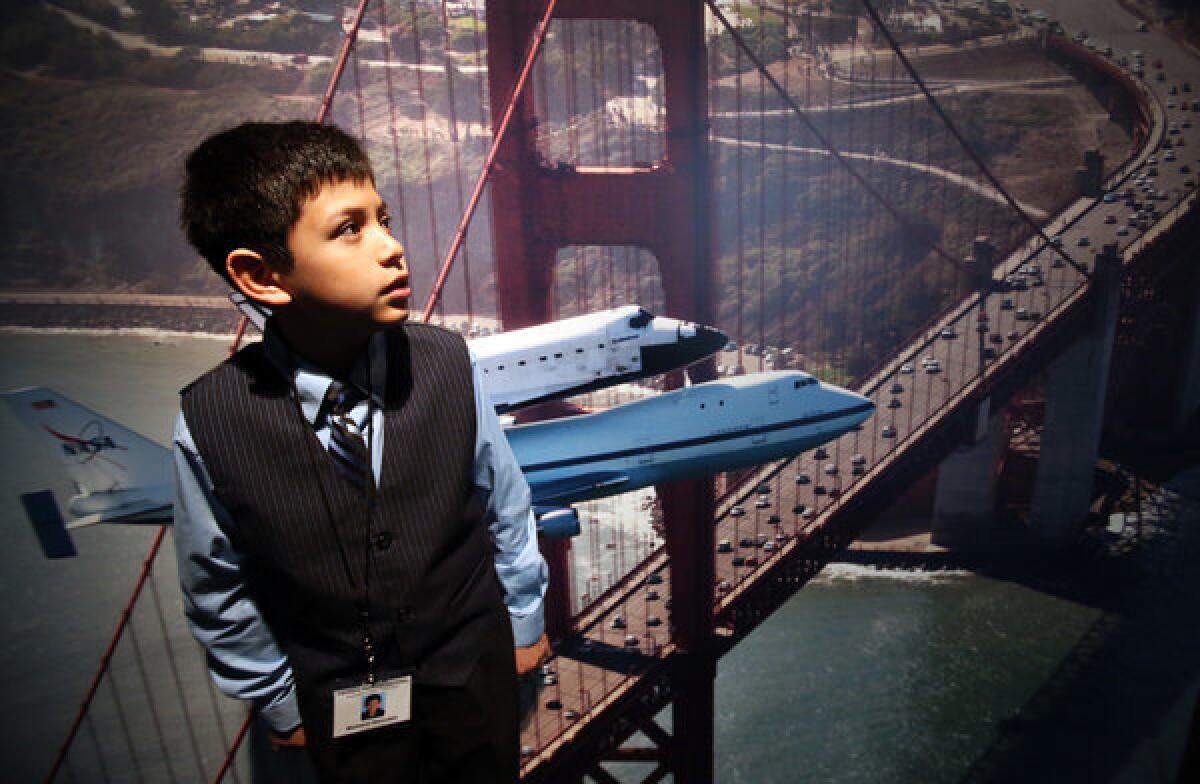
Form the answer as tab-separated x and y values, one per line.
604	686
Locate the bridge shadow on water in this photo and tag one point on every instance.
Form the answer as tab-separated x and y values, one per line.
1119	705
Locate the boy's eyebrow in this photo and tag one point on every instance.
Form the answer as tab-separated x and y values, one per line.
355	211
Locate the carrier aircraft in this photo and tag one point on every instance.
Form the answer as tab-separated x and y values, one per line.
694	431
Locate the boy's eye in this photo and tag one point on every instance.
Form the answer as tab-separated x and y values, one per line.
348	228
385	221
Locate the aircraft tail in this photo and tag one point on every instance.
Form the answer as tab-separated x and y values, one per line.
52	534
99	455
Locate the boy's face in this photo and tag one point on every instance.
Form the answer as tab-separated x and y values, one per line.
347	271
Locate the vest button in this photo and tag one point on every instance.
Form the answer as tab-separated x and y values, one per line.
383	541
406	615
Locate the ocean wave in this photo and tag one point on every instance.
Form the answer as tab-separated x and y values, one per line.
142	332
851	572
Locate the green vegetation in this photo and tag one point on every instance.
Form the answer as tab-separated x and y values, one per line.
764	32
465	33
34	37
290	32
413	20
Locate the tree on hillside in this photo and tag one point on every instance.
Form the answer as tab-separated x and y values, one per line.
159	19
407	17
764	32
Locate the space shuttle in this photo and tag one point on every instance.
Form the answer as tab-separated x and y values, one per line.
586	353
694	431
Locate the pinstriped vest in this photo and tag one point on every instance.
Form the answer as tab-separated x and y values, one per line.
434	590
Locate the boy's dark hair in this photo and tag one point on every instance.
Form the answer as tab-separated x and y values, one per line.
243	187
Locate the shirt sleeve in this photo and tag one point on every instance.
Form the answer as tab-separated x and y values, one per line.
243	656
519	563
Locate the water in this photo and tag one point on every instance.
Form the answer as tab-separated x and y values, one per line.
865	676
892	675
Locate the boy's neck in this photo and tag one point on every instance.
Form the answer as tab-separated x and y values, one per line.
330	350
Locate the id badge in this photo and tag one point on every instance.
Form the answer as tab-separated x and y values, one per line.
370	706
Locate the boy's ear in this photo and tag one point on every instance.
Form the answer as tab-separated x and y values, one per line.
250	273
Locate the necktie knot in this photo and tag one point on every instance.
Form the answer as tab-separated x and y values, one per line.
340	398
346	443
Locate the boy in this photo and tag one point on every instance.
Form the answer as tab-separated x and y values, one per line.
349	516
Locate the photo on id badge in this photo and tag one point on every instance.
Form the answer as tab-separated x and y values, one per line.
370	706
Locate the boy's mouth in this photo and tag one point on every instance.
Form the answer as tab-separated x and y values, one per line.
398	288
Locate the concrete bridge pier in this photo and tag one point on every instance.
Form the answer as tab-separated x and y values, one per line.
1076	383
965	495
1090	176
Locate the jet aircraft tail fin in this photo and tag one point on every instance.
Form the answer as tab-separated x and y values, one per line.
47	520
99	455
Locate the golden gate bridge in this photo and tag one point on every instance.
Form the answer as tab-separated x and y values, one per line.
735	164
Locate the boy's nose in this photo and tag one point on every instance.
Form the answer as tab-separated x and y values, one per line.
392	252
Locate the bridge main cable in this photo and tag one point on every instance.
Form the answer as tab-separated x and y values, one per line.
950	126
531	53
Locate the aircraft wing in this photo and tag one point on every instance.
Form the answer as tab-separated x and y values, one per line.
558	492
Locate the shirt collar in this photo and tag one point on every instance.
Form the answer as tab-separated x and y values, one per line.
311	382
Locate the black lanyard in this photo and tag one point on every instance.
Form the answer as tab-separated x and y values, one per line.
364	604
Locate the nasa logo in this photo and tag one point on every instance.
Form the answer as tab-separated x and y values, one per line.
73	447
90	446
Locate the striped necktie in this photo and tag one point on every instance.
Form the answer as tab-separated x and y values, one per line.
346	442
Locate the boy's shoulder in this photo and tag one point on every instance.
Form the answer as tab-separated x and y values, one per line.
425	328
250	359
431	336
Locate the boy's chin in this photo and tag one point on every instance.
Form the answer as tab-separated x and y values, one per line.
393	316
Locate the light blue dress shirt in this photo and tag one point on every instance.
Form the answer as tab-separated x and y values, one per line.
243	656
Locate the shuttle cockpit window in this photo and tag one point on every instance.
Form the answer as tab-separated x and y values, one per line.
640	319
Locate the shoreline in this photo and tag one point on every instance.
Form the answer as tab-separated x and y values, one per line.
134	332
197	318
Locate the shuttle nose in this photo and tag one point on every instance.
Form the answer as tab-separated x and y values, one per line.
692	342
703	340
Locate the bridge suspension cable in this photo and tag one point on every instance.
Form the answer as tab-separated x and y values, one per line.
824	140
953	129
535	45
